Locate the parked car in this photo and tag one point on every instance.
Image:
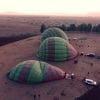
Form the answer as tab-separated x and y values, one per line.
90	54
90	82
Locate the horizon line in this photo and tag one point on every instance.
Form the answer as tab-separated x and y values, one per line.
89	14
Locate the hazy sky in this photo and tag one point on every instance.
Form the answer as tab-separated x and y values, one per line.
71	7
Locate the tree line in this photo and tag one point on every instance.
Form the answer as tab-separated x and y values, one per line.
73	27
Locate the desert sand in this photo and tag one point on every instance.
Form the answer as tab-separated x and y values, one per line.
15	25
64	89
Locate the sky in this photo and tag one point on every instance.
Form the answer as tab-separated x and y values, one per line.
50	7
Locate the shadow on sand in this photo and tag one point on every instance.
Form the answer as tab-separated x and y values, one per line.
93	94
10	39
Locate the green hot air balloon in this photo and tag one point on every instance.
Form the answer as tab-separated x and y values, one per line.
33	71
56	49
54	32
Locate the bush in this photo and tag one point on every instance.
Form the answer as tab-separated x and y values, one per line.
72	27
82	28
43	27
63	27
89	28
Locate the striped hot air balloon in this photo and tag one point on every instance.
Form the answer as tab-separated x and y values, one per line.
54	32
33	71
56	49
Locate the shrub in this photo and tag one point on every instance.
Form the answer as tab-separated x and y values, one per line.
43	27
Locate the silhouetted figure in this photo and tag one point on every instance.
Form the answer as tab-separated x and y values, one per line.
82	53
39	97
34	97
63	93
91	64
72	76
75	61
88	73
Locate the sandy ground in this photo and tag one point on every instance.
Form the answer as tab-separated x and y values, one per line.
12	54
26	49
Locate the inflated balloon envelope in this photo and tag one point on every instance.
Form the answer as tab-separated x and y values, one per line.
33	71
56	49
54	32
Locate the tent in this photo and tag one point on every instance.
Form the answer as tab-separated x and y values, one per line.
33	71
54	32
56	49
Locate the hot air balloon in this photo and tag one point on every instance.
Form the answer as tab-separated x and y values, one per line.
56	49
33	71
54	32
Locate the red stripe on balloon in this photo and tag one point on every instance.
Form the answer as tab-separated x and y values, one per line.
24	72
55	78
71	58
51	50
